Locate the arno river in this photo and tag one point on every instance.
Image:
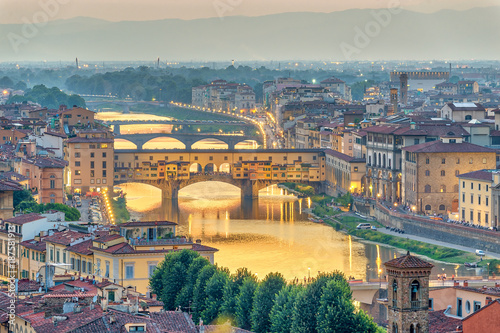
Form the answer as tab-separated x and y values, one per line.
271	234
268	235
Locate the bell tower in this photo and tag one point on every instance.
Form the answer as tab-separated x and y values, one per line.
408	294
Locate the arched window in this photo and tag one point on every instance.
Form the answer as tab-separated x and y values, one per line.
412	328
442	207
383	163
468	117
52	176
395	293
427	207
427	173
443	173
394	328
415	294
442	188
379	159
455	188
427	189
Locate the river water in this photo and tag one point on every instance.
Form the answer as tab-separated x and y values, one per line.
272	234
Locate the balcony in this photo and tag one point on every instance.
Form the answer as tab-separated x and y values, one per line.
416	304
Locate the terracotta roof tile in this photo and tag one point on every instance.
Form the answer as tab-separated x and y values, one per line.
81	248
408	261
25	218
440	323
438	146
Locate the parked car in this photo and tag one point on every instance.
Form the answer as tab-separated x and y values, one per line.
480	253
374	227
364	226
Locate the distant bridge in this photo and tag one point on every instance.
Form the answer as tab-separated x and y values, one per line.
152	167
117	123
123	103
187	139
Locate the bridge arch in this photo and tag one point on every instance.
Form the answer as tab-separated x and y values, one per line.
209	143
210	168
171	143
225	168
195	168
124	144
247	144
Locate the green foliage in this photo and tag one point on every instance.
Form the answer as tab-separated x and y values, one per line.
231	291
305	190
282	310
244	302
24	202
20	196
308	302
185	296
120	210
214	291
264	300
345	201
171	275
358	89
199	292
51	98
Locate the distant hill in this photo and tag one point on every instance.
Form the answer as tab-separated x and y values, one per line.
448	34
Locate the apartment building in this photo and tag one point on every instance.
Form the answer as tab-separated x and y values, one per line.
431	170
90	161
477	201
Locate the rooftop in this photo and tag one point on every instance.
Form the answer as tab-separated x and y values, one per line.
438	146
408	261
25	218
479	175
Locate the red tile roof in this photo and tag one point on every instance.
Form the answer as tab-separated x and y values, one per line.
408	261
81	248
34	245
438	146
479	175
107	238
25	218
65	237
441	323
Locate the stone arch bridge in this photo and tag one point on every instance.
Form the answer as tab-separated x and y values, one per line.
187	139
170	187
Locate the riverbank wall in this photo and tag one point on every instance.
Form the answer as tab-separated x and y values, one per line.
437	230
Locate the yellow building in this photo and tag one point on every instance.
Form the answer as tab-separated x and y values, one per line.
32	258
344	173
90	159
476	200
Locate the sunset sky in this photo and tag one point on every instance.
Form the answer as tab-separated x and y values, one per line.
13	11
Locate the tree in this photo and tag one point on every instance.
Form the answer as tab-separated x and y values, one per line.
308	302
185	296
214	291
199	292
171	275
337	312
244	302
20	196
264	300
6	82
282	310
231	291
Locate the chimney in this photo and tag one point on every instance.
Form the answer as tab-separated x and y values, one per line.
488	300
497	285
466	283
153	296
485	288
456	284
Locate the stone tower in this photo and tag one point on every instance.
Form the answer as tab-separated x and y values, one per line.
408	294
403	89
394	100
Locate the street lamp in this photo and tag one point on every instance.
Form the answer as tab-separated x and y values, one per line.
488	276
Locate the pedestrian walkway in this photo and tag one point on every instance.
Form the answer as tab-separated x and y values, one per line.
435	242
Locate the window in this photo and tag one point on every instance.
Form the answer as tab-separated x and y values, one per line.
91	164
104	155
103	173
107	269
463	197
443	161
51	254
64	256
457	172
104	164
471	185
467	307
484	160
89	268
486	201
477	306
427	189
458	161
84	266
92	155
486	218
471	161
463	184
129	271
479	217
471	215
427	207
91	173
52	184
443	173
442	207
77	155
427	173
479	187
472	198
78	172
58	259
77	163
72	263
442	189
151	267
487	188
427	161
478	199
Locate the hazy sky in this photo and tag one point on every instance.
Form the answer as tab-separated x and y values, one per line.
13	11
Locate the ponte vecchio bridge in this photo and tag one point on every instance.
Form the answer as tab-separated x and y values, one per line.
250	170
